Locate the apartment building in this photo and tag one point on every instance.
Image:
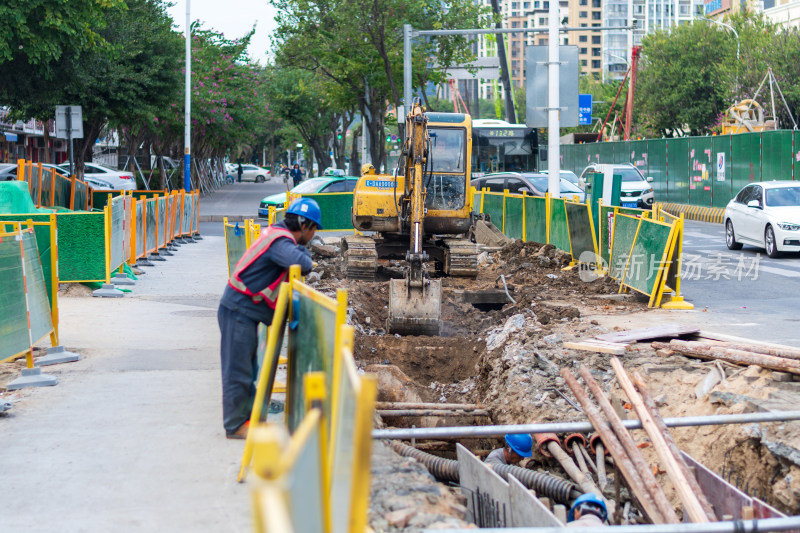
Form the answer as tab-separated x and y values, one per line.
587	14
783	12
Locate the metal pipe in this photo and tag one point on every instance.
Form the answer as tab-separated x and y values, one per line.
576	427
735	526
416	33
423	405
576	451
584	482
602	479
432	412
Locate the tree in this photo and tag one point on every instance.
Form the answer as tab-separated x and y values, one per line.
684	79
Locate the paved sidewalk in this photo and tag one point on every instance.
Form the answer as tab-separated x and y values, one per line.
131	439
237	201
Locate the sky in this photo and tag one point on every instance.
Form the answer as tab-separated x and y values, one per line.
234	18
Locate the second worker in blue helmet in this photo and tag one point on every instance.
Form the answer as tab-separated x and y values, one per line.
518	446
250	297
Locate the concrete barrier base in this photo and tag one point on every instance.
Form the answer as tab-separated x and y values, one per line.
32	377
57	355
155	256
108	291
122	279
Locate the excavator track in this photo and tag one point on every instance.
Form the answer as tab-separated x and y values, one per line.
461	258
360	259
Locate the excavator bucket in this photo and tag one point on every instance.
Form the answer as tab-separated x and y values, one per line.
415	310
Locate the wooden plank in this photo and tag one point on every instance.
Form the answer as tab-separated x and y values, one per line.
602	347
526	509
653	332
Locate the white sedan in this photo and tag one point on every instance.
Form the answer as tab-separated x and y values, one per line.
766	215
252	173
119	180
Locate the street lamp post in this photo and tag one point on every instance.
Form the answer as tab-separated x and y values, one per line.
728	26
606	52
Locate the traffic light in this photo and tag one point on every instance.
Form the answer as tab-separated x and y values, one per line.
338	135
388	138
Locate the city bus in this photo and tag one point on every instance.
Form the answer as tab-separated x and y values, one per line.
498	146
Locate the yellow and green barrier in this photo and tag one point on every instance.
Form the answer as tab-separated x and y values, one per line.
25	311
50	189
238	239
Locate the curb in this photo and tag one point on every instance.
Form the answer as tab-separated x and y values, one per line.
231	218
712	215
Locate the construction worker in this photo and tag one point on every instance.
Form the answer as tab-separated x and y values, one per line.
518	446
250	298
589	510
367	168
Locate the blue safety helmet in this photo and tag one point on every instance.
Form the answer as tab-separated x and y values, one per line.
522	443
307	208
589	499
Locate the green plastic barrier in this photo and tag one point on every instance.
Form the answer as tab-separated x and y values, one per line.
38	302
559	230
14	337
536	219
337	210
186	221
581	231
62	195
162	221
47	186
42	230
81	202
304	484
512	215
343	442
15	198
312	334
117	232
235	244
35	185
493	206
624	229
81	246
150	229
647	255
139	229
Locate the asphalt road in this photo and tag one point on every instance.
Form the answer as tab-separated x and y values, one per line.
239	199
745	292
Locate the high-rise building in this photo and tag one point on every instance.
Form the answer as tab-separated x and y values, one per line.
783	12
587	14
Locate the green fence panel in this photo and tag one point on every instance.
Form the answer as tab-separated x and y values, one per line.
81	196
140	244
343	446
581	235
605	226
701	166
513	217
569	154
14	338
42	240
15	198
35	184
721	175
493	206
337	209
304	485
41	321
657	167
312	333
151	212
745	160
81	247
186	222
117	232
640	156
776	155
47	187
624	229
605	152
796	156
236	244
622	152
536	219
677	170
63	192
559	231
648	251
162	221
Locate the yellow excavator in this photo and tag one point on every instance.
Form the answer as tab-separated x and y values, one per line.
420	213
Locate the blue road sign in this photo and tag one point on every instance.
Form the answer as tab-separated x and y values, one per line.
584	109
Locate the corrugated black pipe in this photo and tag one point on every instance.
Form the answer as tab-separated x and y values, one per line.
557	489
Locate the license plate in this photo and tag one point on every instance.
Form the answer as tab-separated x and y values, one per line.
629	204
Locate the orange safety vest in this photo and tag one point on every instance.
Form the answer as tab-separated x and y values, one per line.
256	250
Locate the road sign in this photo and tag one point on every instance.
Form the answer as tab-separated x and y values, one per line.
536	90
584	110
69	117
720	166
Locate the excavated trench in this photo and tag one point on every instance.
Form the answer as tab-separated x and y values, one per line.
506	358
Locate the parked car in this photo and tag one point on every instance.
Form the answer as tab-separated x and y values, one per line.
765	215
8	171
637	190
571	177
119	180
533	183
249	172
309	186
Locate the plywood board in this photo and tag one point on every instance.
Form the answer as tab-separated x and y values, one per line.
477	478
526	509
654	332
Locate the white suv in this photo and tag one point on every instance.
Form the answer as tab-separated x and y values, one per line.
637	190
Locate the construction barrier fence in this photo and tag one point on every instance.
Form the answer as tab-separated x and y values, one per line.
25	311
698	171
639	251
238	238
50	189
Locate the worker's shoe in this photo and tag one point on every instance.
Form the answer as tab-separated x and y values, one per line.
240	433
